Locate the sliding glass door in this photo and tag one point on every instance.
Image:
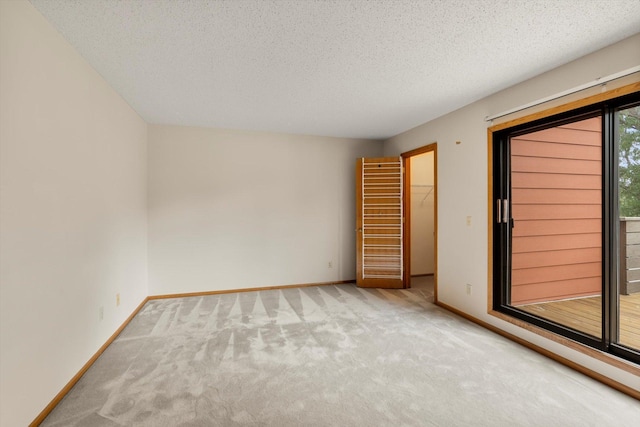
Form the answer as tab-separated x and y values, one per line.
556	198
566	232
628	156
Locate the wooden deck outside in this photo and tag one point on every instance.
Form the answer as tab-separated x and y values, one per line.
584	314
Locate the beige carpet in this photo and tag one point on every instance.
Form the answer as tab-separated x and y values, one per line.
327	356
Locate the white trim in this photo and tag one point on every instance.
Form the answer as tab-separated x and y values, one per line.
596	82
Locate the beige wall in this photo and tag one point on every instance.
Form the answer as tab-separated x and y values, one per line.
422	214
462	186
234	209
72	212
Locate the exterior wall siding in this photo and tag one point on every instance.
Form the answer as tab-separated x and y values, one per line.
556	202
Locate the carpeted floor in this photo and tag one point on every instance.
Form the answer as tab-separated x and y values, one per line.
423	286
327	356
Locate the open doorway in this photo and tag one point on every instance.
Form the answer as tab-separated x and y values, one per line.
420	207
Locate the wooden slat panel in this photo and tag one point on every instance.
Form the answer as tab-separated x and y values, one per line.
382	240
533	164
563	257
531	148
526	212
556	197
552	227
556	273
554	243
559	180
383	221
380	222
377	160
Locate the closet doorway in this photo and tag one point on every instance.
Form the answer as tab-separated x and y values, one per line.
420	207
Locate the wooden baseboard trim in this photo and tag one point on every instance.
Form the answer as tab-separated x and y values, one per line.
569	363
233	291
46	411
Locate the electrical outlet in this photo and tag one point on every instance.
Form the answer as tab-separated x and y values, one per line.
469	288
117	299
330	264
101	313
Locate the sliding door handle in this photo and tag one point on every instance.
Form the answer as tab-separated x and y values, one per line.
505	211
502	211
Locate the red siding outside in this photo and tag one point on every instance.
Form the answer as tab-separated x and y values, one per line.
556	185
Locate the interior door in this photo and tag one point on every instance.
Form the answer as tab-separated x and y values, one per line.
379	223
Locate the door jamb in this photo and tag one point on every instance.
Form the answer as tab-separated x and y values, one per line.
406	206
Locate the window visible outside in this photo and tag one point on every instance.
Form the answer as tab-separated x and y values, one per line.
629	225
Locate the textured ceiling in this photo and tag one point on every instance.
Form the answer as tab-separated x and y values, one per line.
345	68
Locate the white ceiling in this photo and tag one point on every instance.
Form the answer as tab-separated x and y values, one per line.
350	68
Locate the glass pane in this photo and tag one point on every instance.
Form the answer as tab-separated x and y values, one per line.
556	198
629	207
